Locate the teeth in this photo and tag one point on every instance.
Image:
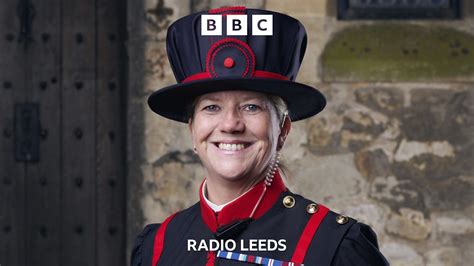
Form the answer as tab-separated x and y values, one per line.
231	147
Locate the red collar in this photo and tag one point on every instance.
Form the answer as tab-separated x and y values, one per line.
243	206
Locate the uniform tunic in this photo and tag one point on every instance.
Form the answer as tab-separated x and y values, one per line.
310	236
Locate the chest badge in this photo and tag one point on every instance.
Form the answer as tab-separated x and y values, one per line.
254	259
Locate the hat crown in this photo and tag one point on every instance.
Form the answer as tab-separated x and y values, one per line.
190	53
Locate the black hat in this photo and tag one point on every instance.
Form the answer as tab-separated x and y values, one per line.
262	63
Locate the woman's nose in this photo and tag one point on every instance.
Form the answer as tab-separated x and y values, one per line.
232	122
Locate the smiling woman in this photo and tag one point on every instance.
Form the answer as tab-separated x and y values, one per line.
239	115
235	134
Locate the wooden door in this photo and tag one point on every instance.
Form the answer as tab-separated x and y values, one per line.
62	195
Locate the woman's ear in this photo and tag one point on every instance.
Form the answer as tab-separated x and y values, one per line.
285	130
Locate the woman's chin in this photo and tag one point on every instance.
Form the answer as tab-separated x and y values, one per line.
232	174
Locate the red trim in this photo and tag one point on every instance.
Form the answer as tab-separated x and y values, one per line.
227	9
211	63
198	76
308	234
227	42
242	207
159	240
256	74
211	258
267	74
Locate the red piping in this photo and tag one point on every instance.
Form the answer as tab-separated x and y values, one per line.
228	9
308	234
159	240
226	42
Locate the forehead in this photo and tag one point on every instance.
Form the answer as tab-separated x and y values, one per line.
232	95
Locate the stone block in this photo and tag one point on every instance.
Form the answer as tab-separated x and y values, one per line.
158	72
397	193
372	163
454	223
315	30
368	213
398	52
409	224
386	100
314	7
332	180
170	184
162	135
246	3
444	256
401	255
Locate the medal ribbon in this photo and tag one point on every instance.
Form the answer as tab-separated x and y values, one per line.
255	259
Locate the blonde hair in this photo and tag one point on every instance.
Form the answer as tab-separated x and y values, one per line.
280	106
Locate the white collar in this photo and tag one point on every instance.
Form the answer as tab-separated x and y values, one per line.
213	206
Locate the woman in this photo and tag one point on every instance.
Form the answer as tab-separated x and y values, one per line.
239	98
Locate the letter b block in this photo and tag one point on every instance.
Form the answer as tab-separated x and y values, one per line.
236	25
211	25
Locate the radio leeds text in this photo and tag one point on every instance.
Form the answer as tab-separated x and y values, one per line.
236	25
232	245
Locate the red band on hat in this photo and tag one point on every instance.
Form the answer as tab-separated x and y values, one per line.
198	76
256	74
267	74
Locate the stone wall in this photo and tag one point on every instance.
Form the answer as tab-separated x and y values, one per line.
392	150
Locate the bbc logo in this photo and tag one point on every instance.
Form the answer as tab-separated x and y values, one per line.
211	25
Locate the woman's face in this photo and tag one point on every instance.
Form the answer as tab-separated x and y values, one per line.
235	133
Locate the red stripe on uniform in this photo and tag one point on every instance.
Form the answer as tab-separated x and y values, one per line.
211	258
250	258
308	234
159	240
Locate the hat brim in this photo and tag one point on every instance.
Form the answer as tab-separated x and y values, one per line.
172	102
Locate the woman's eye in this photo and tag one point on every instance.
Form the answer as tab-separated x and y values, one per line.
252	108
211	108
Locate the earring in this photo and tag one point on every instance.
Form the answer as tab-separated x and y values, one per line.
195	150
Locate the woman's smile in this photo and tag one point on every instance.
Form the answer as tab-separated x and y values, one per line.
232	147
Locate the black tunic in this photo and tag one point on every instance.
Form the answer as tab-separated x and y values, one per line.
334	243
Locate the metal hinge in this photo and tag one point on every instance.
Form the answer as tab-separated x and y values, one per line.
27	132
26	12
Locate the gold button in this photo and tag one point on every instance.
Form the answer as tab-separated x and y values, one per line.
289	201
312	208
341	219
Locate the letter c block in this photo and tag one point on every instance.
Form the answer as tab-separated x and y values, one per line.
262	25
